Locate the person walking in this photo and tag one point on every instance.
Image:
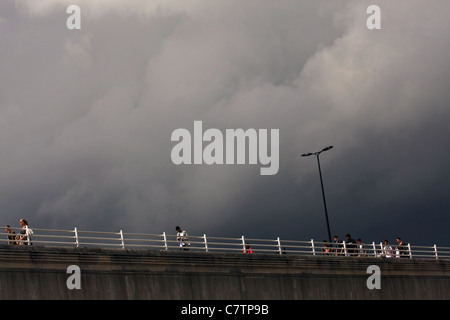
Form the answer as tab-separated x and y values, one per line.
402	248
326	250
351	245
361	251
182	237
26	233
338	246
11	237
388	251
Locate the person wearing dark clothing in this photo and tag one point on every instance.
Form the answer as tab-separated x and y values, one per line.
11	235
402	248
326	250
350	244
248	248
338	247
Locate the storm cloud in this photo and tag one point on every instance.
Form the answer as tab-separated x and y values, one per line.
86	116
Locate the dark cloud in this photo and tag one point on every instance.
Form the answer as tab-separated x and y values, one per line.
86	116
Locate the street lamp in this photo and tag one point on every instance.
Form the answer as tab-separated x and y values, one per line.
321	183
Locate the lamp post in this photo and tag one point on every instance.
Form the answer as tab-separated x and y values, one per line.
321	184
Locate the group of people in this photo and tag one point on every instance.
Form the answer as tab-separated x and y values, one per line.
357	248
23	237
401	250
337	248
349	247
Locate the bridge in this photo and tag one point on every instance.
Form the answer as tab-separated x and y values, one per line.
202	243
42	272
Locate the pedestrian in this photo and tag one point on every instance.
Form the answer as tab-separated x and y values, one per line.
11	237
388	251
338	251
351	244
248	248
182	237
402	248
361	251
326	249
26	233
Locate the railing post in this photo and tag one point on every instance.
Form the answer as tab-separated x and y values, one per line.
381	249
165	241
121	239
243	245
206	243
345	249
374	249
279	245
313	248
409	250
435	251
77	243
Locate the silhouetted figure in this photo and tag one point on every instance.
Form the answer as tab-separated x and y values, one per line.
11	237
402	248
350	244
338	246
326	250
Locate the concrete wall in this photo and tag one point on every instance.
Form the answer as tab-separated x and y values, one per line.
40	273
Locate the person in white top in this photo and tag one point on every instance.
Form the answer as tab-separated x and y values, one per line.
361	250
26	233
388	251
182	237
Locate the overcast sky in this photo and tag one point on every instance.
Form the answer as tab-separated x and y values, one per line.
86	116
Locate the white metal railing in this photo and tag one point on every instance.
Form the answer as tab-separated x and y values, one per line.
164	241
